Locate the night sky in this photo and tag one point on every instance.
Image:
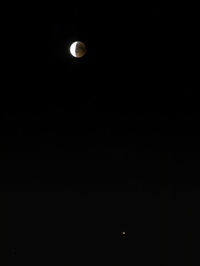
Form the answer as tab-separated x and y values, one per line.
105	144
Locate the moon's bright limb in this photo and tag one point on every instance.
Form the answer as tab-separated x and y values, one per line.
73	49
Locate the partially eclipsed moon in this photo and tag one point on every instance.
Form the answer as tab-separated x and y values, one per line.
78	49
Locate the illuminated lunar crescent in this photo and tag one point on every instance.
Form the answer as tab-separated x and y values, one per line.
78	49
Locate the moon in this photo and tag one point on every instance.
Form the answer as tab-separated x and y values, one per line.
78	49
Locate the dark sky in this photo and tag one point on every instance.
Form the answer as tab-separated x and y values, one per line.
130	99
102	144
84	223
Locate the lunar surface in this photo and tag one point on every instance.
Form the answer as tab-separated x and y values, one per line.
78	49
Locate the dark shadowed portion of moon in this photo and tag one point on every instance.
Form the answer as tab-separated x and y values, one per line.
80	49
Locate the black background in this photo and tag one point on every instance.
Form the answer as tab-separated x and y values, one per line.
133	98
84	223
103	144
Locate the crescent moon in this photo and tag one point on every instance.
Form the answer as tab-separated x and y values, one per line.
73	49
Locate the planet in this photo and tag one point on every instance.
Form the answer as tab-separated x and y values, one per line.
78	49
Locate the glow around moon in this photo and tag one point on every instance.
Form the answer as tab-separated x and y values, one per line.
78	49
